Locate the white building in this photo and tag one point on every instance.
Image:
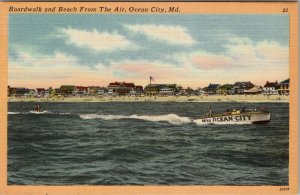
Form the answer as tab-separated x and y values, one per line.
270	88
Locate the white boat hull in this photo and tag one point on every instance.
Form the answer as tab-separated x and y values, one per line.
41	112
237	118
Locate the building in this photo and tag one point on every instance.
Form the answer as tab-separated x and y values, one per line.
204	89
224	89
162	89
152	89
212	89
137	91
284	87
56	92
166	91
18	91
120	88
102	91
80	90
40	92
200	91
270	88
254	90
92	90
240	87
67	90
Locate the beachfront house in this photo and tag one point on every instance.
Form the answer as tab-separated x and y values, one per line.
256	89
56	92
47	92
40	92
31	93
224	89
199	91
92	90
166	91
137	91
270	88
18	91
162	89
67	90
240	87
284	87
80	90
152	90
120	88
212	89
113	85
190	91
204	89
102	91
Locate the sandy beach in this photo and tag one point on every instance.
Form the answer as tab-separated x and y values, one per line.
212	98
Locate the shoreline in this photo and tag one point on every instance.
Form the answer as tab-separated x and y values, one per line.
212	98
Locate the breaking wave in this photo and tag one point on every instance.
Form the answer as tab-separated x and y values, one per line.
170	118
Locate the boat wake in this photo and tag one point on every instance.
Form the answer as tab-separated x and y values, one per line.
42	112
13	113
170	118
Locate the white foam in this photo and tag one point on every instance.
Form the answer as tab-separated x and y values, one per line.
63	113
100	116
42	112
13	112
170	118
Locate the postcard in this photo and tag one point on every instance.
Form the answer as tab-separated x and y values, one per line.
149	98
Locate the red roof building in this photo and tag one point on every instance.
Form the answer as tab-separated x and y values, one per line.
122	88
80	88
114	85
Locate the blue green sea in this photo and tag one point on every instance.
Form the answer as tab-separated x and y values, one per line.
144	143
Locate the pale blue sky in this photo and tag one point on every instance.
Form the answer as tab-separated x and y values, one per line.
197	49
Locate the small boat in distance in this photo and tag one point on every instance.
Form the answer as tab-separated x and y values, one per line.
243	116
39	112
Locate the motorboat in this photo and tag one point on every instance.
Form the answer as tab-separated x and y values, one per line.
253	116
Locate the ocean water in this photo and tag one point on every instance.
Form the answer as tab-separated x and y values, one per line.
144	143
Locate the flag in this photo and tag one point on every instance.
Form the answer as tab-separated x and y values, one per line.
151	78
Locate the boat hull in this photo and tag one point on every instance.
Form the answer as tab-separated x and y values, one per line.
250	118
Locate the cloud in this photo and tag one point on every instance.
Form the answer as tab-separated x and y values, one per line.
143	68
94	40
40	70
242	59
33	59
210	61
267	53
139	71
170	34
